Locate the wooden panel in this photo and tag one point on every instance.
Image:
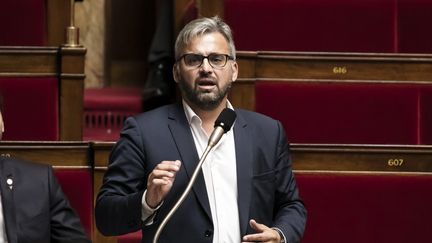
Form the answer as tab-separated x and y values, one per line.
365	67
66	63
57	154
330	67
247	64
72	60
340	157
58	18
381	158
101	152
210	8
242	95
97	236
71	93
28	61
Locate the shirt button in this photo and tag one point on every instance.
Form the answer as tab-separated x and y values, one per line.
208	233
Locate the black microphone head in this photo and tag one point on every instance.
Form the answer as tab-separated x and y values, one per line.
226	119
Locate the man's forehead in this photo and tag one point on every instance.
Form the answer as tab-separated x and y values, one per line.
208	42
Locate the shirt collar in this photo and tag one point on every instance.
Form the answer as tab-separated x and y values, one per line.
191	116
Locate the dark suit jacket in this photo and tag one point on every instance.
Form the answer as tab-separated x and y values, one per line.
35	210
267	189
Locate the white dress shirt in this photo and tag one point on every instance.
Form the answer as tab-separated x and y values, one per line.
3	238
220	176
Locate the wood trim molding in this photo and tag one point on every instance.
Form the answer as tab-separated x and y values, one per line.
72	92
336	67
58	18
65	63
335	157
26	61
63	155
346	157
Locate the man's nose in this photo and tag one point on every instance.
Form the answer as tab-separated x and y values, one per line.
205	66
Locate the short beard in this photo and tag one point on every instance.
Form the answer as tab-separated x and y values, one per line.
204	100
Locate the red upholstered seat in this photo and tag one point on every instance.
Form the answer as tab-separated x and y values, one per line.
313	25
426	115
106	109
414	21
31	109
363	207
23	23
357	113
77	184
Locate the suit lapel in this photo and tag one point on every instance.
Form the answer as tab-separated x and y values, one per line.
8	201
244	157
182	136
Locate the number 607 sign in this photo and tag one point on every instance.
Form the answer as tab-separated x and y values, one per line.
395	162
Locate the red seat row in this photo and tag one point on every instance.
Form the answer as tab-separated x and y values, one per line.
361	207
23	23
30	108
395	26
349	113
77	184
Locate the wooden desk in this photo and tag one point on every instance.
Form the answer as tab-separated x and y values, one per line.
333	157
65	155
327	68
64	64
321	158
367	158
101	152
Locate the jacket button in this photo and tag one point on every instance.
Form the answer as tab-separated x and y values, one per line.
208	233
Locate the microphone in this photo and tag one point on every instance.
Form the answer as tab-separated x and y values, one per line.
222	125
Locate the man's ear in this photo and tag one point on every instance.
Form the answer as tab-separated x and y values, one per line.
176	72
234	68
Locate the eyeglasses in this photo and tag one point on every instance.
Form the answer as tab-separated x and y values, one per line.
215	60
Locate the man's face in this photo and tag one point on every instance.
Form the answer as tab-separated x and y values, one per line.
205	86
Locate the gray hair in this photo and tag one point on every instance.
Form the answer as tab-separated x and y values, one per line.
201	26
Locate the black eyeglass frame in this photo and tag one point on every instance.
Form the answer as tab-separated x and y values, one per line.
227	58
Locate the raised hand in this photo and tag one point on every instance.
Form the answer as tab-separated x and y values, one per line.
160	181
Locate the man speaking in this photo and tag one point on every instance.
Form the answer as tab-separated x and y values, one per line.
246	191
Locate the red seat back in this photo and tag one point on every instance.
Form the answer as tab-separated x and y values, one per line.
77	184
313	25
358	113
366	207
414	21
23	23
106	109
31	108
426	115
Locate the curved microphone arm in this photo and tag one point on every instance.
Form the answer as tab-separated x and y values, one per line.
217	134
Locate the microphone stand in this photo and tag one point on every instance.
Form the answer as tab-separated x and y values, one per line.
214	139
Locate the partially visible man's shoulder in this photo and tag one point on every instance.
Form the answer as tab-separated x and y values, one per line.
18	163
159	112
